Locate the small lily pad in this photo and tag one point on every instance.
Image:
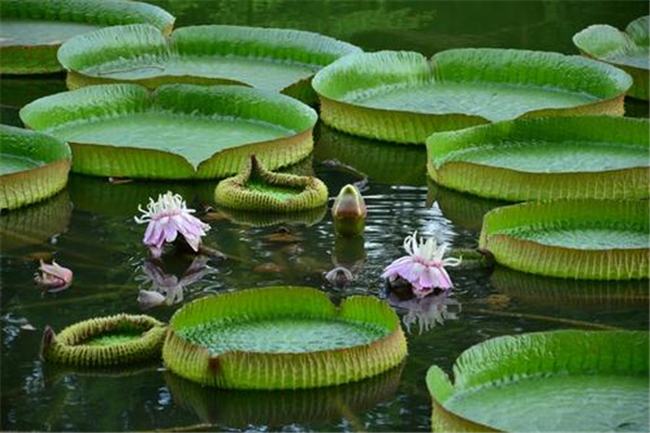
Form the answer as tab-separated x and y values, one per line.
279	60
257	189
629	50
547	158
105	341
33	166
546	382
282	338
33	30
581	239
404	97
178	131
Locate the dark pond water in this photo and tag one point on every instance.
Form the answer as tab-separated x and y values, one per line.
89	227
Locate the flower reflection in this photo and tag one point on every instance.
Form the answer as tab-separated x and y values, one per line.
426	313
167	288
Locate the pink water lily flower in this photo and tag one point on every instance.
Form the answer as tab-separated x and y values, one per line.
168	217
53	277
423	267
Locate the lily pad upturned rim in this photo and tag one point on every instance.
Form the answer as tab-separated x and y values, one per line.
599	41
140	40
519	184
28	186
233	192
92	102
67	347
42	58
562	261
511	357
385	68
250	369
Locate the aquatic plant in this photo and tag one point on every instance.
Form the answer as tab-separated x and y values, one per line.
257	189
278	60
178	131
582	239
425	313
33	30
547	158
53	277
33	166
105	341
629	50
339	276
168	217
423	267
349	212
497	382
404	97
282	338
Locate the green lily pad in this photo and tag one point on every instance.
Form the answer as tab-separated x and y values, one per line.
629	50
279	60
267	219
257	189
279	408
582	239
105	341
33	166
381	162
547	158
178	131
546	382
546	291
282	338
33	30
403	97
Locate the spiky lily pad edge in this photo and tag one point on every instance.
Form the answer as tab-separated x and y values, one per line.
123	161
124	42
42	59
556	261
234	193
515	185
408	127
67	347
508	357
29	186
259	370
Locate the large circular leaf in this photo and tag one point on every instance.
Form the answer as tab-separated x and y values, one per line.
537	159
179	131
403	97
32	30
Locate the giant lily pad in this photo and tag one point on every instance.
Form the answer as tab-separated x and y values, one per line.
583	239
280	60
629	50
403	97
179	131
282	338
33	30
33	166
546	382
538	159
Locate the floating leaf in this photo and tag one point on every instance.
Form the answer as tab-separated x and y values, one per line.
404	97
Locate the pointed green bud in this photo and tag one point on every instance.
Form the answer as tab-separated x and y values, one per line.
349	212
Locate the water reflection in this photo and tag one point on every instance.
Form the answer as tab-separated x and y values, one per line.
420	315
276	409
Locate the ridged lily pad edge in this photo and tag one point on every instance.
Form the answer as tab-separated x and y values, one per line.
557	261
133	41
123	161
582	40
510	357
515	185
368	70
233	192
67	346
29	186
39	59
259	370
